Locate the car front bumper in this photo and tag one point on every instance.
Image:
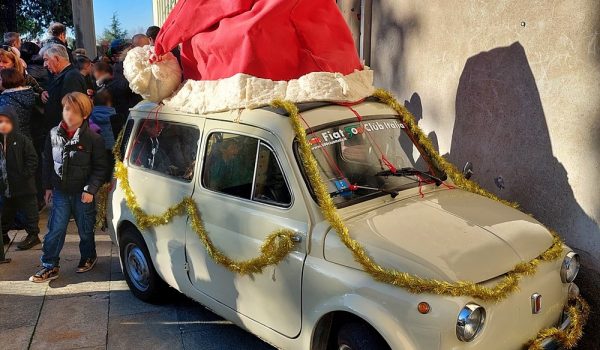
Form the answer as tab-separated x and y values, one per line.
569	329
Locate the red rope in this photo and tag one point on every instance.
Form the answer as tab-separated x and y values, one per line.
329	158
384	159
136	139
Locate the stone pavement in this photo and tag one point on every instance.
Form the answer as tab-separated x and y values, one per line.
95	310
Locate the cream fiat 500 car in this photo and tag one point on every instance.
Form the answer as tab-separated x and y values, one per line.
244	172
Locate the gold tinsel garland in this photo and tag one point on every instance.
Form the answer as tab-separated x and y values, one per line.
275	248
578	310
278	244
101	205
412	283
427	147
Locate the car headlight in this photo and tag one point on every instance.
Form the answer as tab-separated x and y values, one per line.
470	322
570	267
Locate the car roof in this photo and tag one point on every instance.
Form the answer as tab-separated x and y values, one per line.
276	120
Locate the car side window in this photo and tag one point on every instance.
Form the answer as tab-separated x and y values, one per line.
126	134
165	147
269	184
229	164
244	167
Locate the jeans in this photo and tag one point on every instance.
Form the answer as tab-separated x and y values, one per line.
27	205
63	205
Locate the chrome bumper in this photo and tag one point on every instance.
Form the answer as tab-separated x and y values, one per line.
566	322
550	343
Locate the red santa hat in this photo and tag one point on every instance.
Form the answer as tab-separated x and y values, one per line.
246	53
271	39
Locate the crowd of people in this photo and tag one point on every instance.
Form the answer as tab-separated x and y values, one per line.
60	112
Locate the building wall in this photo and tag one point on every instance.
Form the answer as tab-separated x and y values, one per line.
511	86
161	9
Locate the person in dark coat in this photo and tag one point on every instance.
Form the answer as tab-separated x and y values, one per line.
66	79
35	64
58	35
20	96
122	96
84	64
18	162
103	115
152	33
74	169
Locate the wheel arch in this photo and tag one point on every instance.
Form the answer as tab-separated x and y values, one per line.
128	224
352	307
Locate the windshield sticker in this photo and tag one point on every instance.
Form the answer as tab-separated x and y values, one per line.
331	137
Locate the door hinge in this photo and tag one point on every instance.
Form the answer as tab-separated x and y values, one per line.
186	267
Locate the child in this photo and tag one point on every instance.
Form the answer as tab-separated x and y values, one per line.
102	114
18	163
74	169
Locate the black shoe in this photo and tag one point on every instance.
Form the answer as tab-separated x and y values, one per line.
29	242
5	238
44	274
86	264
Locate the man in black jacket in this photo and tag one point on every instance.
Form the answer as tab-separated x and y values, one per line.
18	163
58	35
122	96
66	79
75	167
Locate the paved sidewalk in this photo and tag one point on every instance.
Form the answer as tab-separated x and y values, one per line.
95	310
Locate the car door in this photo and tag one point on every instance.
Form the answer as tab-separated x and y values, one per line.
161	160
244	193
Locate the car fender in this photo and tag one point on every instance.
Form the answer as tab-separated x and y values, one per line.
371	312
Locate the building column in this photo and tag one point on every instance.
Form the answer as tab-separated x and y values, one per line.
83	21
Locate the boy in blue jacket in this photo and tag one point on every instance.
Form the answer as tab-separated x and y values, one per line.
102	115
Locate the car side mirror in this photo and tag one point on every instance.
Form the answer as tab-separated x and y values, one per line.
468	170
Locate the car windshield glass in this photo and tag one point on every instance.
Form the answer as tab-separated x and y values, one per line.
350	155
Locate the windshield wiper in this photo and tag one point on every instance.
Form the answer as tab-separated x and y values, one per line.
410	172
353	188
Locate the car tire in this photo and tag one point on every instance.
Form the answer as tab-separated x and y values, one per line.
140	274
359	336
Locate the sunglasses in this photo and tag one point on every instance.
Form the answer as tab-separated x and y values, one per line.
6	47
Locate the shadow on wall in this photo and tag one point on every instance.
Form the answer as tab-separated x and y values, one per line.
393	32
501	128
415	107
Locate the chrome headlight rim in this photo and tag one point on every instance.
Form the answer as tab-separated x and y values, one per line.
570	267
464	317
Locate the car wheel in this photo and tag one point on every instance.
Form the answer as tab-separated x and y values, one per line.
140	275
359	336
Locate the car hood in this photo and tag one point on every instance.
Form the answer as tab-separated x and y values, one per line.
449	234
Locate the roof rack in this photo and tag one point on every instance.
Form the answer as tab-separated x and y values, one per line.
307	106
302	107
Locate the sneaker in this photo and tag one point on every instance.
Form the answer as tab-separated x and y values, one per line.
5	238
29	242
45	274
86	264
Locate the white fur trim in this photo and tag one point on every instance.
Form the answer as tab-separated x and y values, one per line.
156	81
245	91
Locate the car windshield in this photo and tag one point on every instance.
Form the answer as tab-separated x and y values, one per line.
350	156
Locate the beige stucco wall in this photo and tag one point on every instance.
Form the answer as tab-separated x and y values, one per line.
512	86
530	77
